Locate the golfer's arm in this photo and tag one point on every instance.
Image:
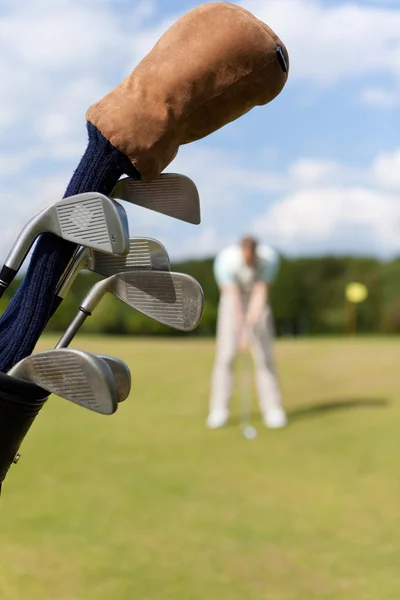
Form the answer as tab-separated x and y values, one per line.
258	299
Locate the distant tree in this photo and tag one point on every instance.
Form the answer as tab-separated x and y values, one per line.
307	298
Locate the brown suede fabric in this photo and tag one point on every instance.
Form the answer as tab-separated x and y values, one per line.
210	67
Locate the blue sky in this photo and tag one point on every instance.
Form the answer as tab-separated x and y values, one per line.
315	171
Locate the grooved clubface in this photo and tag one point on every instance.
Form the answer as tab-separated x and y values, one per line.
170	194
143	254
74	375
90	219
173	299
85	223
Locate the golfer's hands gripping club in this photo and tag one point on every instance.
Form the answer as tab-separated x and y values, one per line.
244	342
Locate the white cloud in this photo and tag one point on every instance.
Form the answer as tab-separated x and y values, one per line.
221	178
329	42
206	243
12	163
57	58
333	220
8	116
316	205
310	172
380	97
385	170
353	212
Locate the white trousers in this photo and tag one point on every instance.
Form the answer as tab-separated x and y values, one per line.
262	351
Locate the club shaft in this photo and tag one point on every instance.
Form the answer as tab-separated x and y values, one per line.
245	389
246	379
20	249
72	329
75	265
68	278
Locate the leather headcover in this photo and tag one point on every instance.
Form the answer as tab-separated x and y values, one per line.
210	67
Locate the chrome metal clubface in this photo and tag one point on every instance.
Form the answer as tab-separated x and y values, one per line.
89	219
171	194
77	376
174	299
144	253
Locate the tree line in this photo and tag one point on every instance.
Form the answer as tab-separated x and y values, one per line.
307	298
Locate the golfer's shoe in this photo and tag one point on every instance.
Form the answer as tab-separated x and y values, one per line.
217	418
275	418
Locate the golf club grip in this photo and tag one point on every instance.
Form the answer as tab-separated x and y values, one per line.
6	276
20	402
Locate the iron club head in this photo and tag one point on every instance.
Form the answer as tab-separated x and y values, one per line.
144	253
121	374
170	194
77	376
174	299
89	219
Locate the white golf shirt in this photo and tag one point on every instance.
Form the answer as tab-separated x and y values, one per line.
229	267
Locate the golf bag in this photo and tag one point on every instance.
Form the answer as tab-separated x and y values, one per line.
20	402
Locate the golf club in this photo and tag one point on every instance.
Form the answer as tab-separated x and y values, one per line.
144	253
77	376
121	374
249	432
174	299
170	194
89	219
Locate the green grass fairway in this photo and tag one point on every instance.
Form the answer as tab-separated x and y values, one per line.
150	505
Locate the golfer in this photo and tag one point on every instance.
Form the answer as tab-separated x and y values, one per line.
244	273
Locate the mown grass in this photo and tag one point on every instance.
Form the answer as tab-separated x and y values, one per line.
150	505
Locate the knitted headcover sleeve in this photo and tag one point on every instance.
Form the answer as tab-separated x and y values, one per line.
29	310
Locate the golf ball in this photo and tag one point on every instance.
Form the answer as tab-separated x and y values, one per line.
249	433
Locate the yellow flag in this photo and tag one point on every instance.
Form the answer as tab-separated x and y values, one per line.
356	292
